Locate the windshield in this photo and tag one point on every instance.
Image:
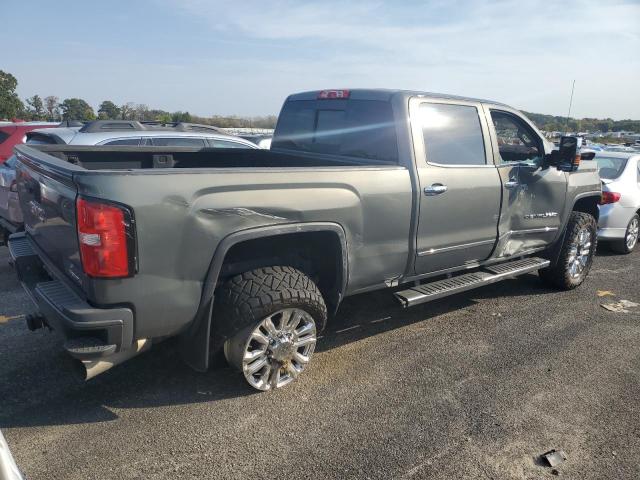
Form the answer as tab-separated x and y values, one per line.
610	167
353	128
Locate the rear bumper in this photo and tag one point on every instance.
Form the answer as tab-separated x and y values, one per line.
62	308
613	222
611	233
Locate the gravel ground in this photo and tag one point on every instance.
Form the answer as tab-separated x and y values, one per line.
472	386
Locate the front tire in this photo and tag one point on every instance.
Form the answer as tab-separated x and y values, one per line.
576	255
281	310
630	240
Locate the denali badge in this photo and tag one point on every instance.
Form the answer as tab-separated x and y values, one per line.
529	216
37	211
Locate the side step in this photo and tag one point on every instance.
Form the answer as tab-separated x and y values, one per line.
461	283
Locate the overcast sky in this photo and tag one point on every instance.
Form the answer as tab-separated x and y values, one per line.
244	57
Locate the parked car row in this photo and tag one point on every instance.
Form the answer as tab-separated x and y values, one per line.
12	134
134	133
106	133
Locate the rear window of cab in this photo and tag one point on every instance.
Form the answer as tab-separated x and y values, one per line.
351	128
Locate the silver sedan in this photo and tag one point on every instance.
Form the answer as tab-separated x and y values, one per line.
620	207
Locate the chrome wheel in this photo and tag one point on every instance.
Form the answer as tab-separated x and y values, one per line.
277	349
579	253
632	234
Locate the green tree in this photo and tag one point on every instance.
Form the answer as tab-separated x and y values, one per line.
10	104
77	109
35	108
52	106
181	116
108	111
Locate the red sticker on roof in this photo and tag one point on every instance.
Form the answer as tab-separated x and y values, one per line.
333	94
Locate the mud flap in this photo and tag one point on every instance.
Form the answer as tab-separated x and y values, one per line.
194	343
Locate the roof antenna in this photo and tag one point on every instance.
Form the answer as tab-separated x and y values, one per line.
570	102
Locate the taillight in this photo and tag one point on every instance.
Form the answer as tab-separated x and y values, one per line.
102	234
609	197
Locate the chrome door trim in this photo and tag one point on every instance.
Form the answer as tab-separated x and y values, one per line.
434	251
529	231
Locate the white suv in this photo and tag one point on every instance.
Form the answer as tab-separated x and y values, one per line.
134	133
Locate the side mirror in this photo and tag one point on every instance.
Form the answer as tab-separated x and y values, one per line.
569	154
567	157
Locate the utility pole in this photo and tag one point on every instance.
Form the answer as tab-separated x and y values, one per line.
570	102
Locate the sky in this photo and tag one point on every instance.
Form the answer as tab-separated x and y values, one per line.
244	57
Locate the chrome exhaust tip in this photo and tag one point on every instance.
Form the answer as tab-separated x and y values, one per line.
88	369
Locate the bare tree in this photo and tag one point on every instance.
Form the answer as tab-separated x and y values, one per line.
52	107
128	111
142	112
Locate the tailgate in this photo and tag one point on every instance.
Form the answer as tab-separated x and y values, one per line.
47	198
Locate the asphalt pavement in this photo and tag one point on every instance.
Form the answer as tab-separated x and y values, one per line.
472	386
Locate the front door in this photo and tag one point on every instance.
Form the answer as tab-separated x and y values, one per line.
533	195
460	191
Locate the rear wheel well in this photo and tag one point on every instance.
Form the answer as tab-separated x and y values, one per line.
588	205
317	254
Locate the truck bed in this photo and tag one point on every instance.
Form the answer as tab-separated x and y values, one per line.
183	202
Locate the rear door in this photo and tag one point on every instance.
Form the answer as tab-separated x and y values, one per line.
533	196
460	186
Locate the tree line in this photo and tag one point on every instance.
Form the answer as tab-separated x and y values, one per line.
52	109
551	123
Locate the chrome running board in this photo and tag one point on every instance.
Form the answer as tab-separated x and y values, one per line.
467	281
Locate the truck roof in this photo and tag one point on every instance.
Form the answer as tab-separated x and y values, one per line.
386	94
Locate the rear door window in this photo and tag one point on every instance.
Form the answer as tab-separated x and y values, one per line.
352	128
610	167
40	139
178	142
452	134
3	136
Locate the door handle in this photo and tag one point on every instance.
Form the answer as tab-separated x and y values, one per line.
435	189
511	184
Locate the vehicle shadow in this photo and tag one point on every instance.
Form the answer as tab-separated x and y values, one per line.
42	391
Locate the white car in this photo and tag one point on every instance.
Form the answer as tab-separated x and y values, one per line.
134	133
8	468
620	207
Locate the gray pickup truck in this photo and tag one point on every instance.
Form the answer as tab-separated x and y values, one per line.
249	251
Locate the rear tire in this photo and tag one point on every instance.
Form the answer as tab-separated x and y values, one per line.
279	311
576	255
630	240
